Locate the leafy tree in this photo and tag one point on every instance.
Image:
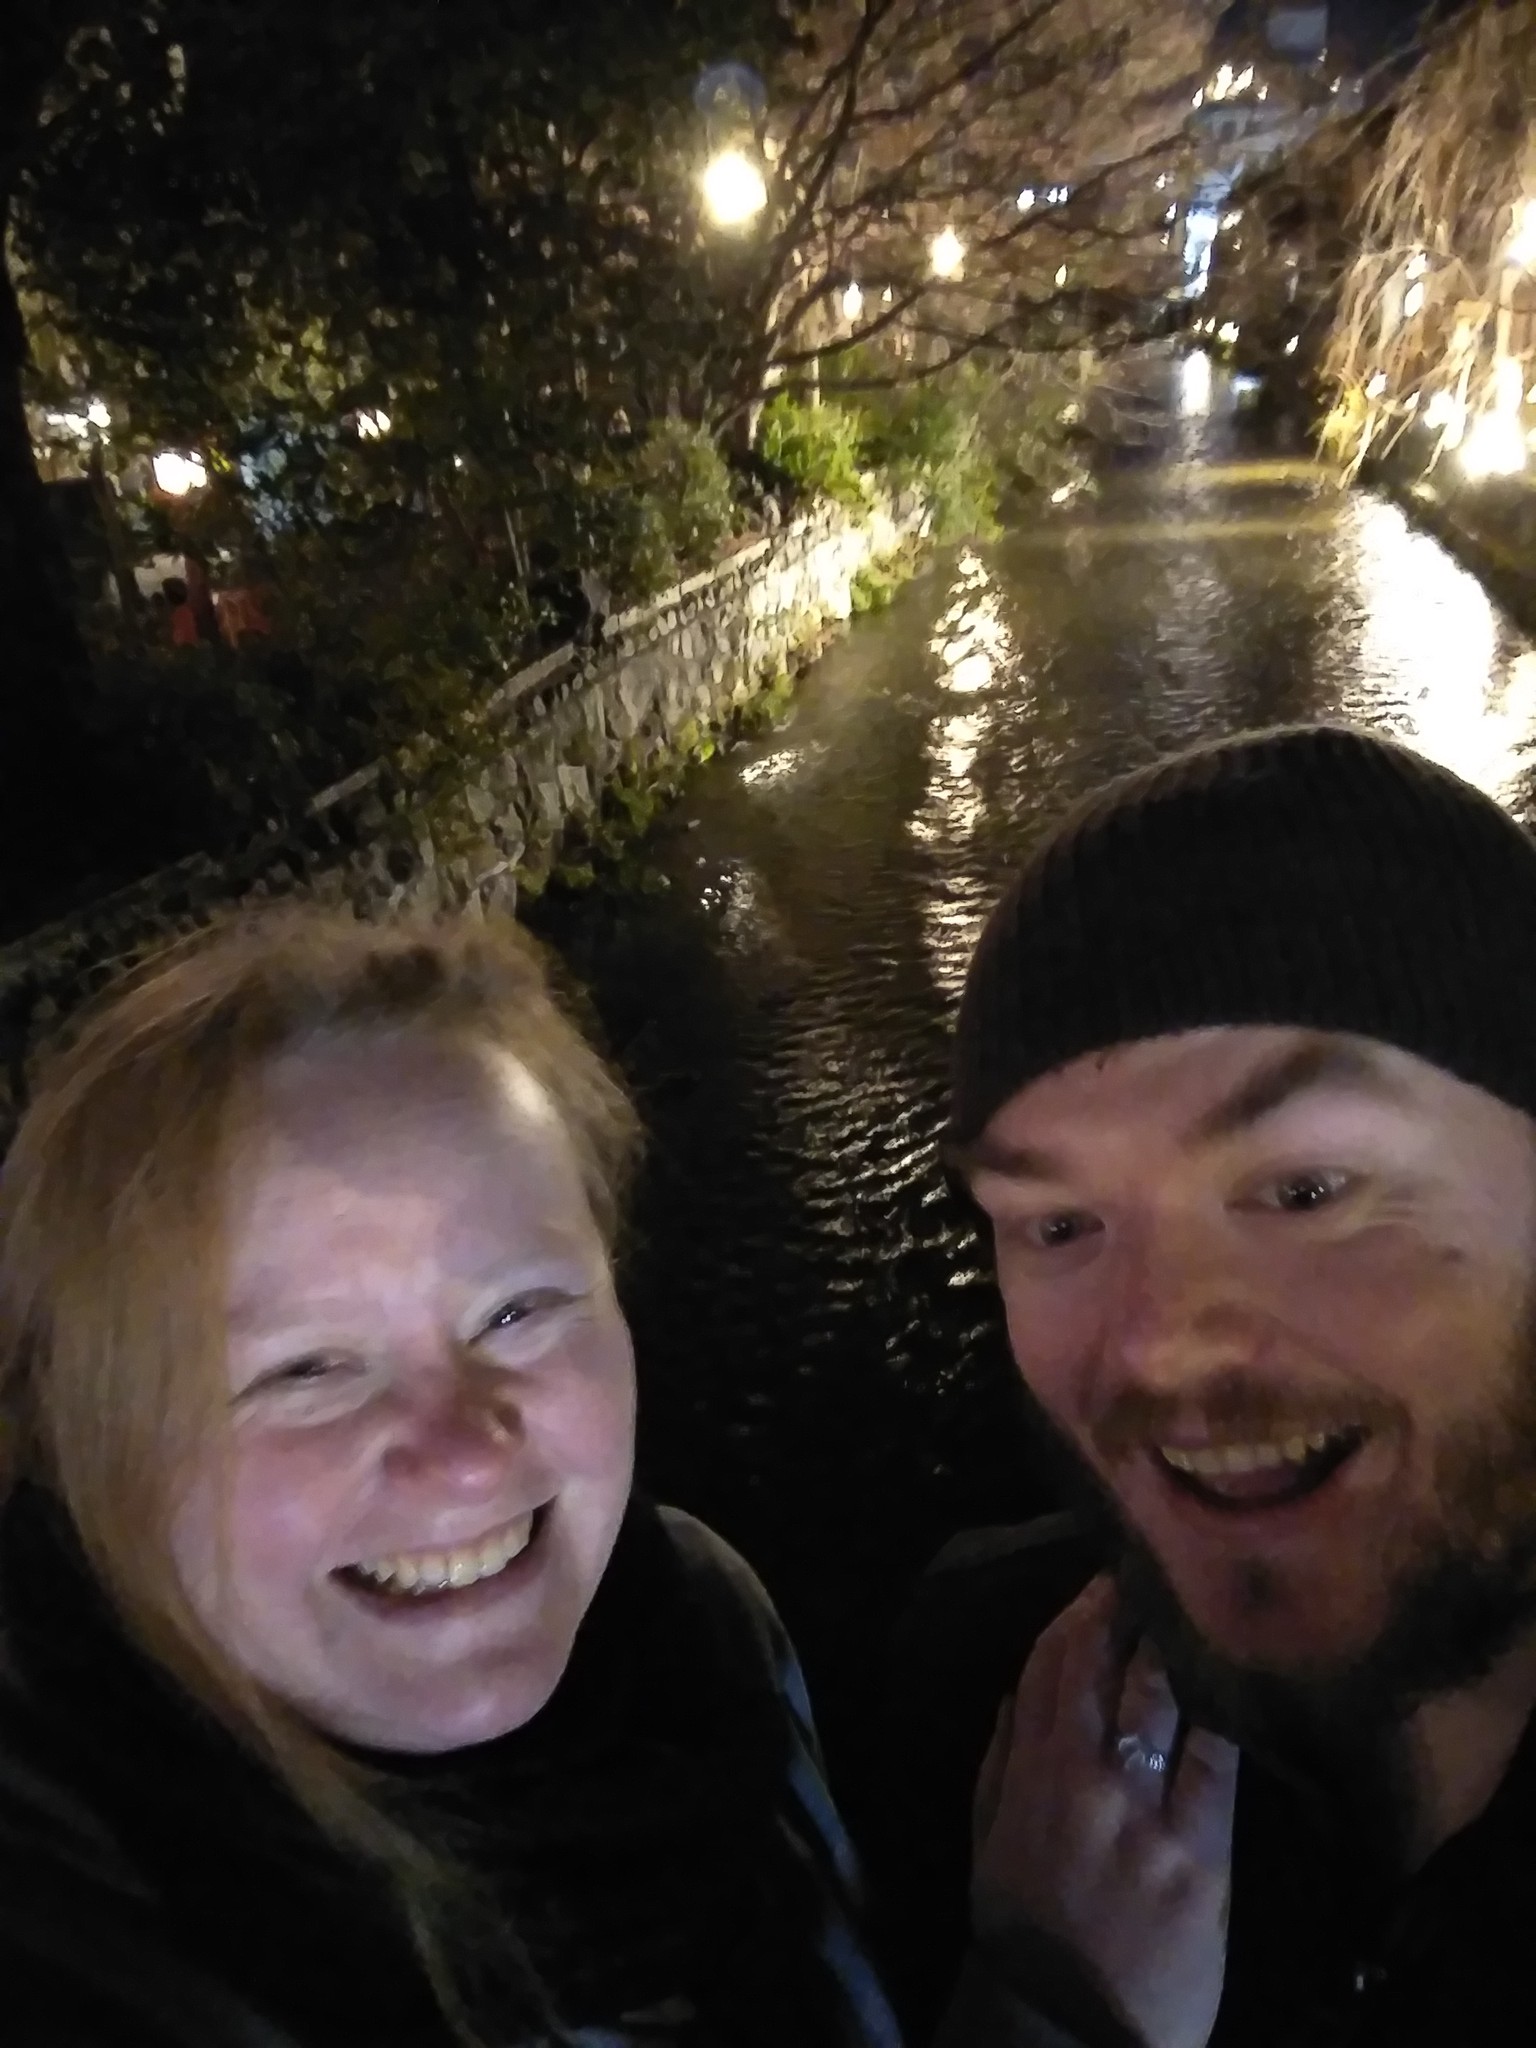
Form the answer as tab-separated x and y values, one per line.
1029	131
1435	332
422	286
44	668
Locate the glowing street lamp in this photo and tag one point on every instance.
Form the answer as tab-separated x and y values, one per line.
734	190
853	303
177	474
946	254
1495	446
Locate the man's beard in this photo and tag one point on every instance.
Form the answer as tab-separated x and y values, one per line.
1462	1595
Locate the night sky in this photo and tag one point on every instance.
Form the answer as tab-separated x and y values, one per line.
1371	28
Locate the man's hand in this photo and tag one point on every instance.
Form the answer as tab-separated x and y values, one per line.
1104	1829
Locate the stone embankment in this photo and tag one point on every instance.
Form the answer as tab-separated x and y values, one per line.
478	815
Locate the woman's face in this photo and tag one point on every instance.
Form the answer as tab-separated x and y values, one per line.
432	1396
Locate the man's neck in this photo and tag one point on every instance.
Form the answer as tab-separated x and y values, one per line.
1456	1749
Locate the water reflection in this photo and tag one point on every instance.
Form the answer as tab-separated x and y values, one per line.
1195	384
1435	663
972	642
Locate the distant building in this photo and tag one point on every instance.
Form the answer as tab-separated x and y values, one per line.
1272	86
1299	33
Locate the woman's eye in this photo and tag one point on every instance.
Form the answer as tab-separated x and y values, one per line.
1298	1194
522	1307
298	1372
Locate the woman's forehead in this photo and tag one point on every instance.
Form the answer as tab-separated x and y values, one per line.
431	1124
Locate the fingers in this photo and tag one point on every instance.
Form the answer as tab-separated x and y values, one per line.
1148	1712
1061	1694
1087	1676
1203	1793
994	1766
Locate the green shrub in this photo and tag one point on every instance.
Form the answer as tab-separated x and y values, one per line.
686	500
820	446
932	437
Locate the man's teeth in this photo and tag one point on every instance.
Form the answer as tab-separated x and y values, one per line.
1222	1461
441	1571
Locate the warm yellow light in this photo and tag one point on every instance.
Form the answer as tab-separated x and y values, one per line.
1508	384
99	415
734	190
1446	411
177	474
373	426
946	254
1522	248
1495	446
1413	301
1061	274
1228	332
853	303
1195	383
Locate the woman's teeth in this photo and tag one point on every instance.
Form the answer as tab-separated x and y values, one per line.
1222	1461
443	1571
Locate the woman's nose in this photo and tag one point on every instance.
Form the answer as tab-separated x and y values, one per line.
461	1429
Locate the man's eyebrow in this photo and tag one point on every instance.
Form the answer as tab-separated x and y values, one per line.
1010	1162
1318	1063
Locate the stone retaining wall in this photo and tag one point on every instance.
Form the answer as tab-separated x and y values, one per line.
478	814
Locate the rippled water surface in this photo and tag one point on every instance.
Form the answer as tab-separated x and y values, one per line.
822	1370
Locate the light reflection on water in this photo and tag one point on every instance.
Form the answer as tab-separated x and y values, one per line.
1435	664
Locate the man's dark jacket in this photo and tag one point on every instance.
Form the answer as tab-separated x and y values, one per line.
1327	1948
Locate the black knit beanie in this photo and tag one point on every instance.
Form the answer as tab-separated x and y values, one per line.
1311	876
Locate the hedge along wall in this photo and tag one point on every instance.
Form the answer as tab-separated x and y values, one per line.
478	815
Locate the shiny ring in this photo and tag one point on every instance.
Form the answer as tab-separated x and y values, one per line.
1134	1755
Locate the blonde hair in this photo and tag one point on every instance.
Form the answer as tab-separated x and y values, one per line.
113	1253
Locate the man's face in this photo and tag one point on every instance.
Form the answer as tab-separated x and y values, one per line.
1274	1289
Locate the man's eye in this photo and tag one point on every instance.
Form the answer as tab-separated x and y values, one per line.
1063	1227
1298	1194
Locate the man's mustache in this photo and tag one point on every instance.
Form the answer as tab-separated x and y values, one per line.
1236	1407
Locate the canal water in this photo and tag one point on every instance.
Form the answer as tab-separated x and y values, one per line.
822	1371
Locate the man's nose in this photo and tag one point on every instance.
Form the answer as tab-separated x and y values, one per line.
458	1427
1175	1315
